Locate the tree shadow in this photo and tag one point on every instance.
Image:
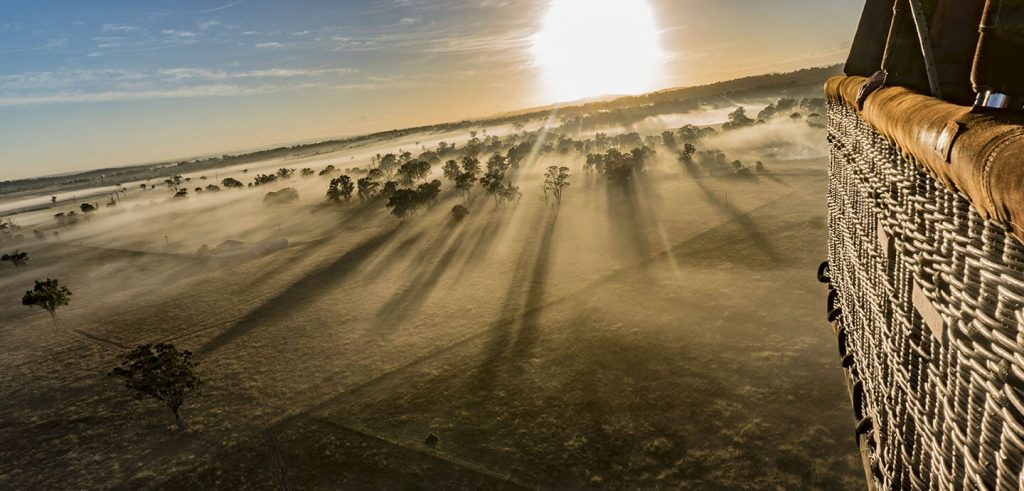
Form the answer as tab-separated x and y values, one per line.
355	217
302	293
628	222
427	270
772	177
513	336
493	223
752	230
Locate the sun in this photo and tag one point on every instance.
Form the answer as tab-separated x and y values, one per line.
588	48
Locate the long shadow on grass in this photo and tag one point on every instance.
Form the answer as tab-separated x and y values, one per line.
752	230
627	222
514	334
303	292
355	216
426	271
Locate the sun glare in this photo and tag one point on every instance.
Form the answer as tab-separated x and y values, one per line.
587	48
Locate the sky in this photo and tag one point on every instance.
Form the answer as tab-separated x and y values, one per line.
98	83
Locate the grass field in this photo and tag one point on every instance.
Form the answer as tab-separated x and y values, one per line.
663	335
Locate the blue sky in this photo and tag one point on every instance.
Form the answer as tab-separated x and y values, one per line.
95	83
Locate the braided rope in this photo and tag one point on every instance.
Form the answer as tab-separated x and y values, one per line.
932	300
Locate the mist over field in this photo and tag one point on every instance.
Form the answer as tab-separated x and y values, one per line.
657	327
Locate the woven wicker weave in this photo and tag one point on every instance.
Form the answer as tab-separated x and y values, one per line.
931	298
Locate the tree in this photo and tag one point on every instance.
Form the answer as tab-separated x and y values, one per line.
471	165
181	194
388	164
389	188
160	372
497	164
340	189
307	172
413	171
555	181
691	133
429	192
404	202
87	207
686	158
328	170
281	197
451	170
171	184
262	179
510	194
619	167
464	183
738	119
459	212
367	187
284	173
493	185
232	183
47	295
669	139
17	258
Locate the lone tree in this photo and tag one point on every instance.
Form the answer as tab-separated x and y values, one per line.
555	181
17	258
160	372
49	296
459	212
232	183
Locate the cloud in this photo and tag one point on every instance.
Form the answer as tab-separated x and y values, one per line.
215	90
209	24
105	85
119	28
179	34
217	9
269	45
205	74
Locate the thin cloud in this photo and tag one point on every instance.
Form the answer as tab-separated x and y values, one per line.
119	28
180	34
80	86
